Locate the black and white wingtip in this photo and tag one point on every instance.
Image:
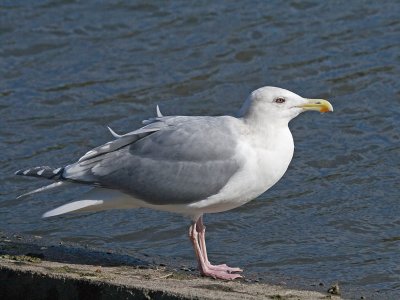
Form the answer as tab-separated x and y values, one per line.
42	172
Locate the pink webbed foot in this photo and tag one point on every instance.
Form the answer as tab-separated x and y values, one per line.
220	274
223	268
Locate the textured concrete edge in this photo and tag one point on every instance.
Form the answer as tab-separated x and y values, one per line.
22	279
25	285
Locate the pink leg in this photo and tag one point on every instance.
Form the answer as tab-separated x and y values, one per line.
206	269
201	229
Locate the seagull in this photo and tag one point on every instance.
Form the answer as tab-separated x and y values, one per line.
191	165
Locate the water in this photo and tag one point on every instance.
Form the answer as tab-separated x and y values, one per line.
69	68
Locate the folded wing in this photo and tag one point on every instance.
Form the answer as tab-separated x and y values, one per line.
172	160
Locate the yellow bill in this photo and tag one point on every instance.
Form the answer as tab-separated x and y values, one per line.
320	105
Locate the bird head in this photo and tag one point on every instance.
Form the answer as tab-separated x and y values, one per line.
278	104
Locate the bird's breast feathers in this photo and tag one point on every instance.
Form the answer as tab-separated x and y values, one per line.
262	166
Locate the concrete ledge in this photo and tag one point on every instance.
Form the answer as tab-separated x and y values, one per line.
22	278
35	271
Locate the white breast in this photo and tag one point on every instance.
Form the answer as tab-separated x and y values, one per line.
266	158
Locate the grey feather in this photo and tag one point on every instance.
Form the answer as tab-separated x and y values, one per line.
172	160
151	120
114	134
120	142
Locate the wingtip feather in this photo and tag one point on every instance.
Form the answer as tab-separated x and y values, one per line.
43	188
159	114
116	135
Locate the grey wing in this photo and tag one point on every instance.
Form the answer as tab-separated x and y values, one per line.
186	160
123	140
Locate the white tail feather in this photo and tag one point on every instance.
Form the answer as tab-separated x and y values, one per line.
73	206
96	199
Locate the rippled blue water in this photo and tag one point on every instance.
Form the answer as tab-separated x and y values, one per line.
69	68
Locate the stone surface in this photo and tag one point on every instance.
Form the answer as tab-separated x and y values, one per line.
31	268
21	278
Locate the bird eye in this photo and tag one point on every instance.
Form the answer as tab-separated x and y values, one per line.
280	100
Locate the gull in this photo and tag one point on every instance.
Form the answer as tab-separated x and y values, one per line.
189	165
